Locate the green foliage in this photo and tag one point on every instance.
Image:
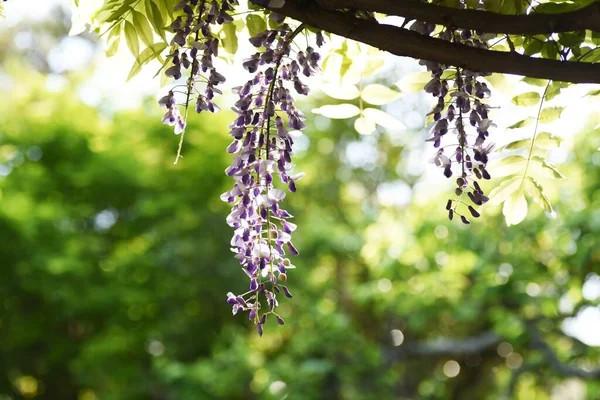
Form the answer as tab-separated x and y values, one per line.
527	99
527	170
256	24
351	81
230	39
136	308
115	264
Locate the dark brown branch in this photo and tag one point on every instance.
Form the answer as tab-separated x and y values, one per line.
448	347
456	347
452	347
584	18
514	378
557	365
403	42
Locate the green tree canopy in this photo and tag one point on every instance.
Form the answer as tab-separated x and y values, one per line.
116	263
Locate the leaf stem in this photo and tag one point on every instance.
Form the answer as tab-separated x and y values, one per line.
535	131
190	86
268	99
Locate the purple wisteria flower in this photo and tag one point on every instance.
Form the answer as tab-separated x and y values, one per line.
194	47
461	97
263	149
262	146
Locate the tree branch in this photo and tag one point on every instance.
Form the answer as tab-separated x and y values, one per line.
530	24
451	347
403	42
514	378
448	347
555	363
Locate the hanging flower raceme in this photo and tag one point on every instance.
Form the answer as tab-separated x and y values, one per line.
194	48
262	148
461	97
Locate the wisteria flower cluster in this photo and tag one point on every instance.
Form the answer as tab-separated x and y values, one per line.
267	115
262	143
461	97
262	146
194	48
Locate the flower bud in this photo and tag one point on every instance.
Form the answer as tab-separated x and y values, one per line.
474	212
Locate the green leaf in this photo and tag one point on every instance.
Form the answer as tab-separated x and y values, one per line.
571	39
331	67
536	191
512	159
555	8
551	92
143	28
378	94
550	114
372	66
515	208
544	140
492	5
517	144
108	14
498	81
514	6
346	64
595	92
547	168
364	126
503	191
522	123
132	39
147	55
340	92
527	99
166	8
135	69
274	23
112	42
535	81
592	55
383	119
513	164
338	111
550	50
532	46
230	40
164	66
256	24
156	19
413	83
547	140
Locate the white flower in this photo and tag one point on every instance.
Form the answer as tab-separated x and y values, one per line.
276	195
485	123
267	166
283	237
440	159
297	176
180	125
171	116
261	250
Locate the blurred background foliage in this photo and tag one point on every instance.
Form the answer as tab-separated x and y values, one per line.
114	264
